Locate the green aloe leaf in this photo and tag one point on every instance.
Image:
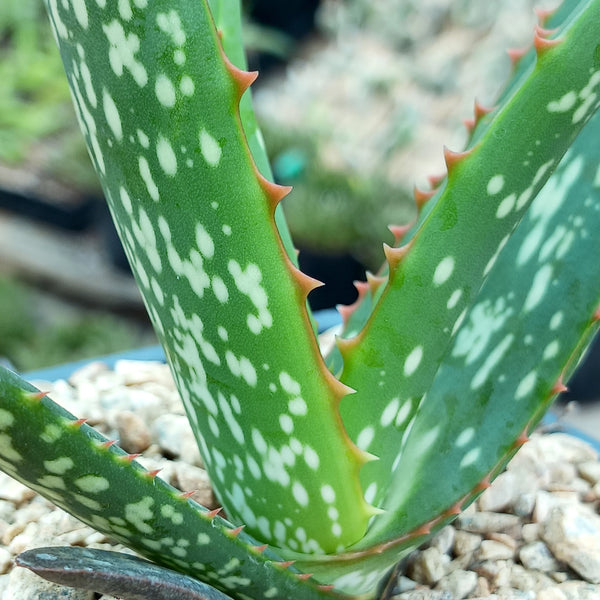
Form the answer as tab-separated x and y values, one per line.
82	472
438	275
158	102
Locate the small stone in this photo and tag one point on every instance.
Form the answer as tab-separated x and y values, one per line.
429	566
545	503
530	532
502	578
459	583
559	447
487	522
590	471
88	373
559	576
577	484
551	594
505	539
404	584
524	505
580	590
137	372
134	436
170	432
460	562
522	579
508	593
444	539
13	491
189	477
492	550
26	585
490	569
465	542
501	494
482	588
562	472
536	555
5	561
572	533
424	595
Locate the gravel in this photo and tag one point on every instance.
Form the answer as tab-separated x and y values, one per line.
548	549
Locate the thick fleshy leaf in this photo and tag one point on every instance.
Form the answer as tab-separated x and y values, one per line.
436	278
71	464
114	573
158	102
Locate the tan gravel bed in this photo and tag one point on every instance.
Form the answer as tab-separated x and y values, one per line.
534	535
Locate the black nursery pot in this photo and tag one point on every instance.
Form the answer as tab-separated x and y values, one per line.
337	271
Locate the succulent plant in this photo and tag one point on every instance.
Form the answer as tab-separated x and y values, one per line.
330	470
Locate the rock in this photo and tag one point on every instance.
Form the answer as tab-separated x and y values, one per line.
144	404
173	433
490	569
13	491
25	585
502	494
572	533
492	550
536	555
88	373
487	522
189	477
424	595
577	484
530	532
137	372
510	594
545	503
134	436
465	542
524	505
505	539
404	584
459	583
5	561
444	539
551	594
560	447
521	579
482	588
429	566
579	590
562	472
590	471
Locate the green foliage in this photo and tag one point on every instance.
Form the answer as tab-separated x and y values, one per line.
446	364
37	125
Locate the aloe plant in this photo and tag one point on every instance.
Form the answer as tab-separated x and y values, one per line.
330	469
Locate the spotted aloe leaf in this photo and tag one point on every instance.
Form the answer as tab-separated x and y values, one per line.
457	361
158	101
87	475
451	255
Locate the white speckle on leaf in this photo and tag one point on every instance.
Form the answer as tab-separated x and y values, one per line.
210	148
443	271
495	185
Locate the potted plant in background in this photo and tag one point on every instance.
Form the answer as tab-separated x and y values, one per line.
329	472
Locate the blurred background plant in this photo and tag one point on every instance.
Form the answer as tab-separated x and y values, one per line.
355	100
37	128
